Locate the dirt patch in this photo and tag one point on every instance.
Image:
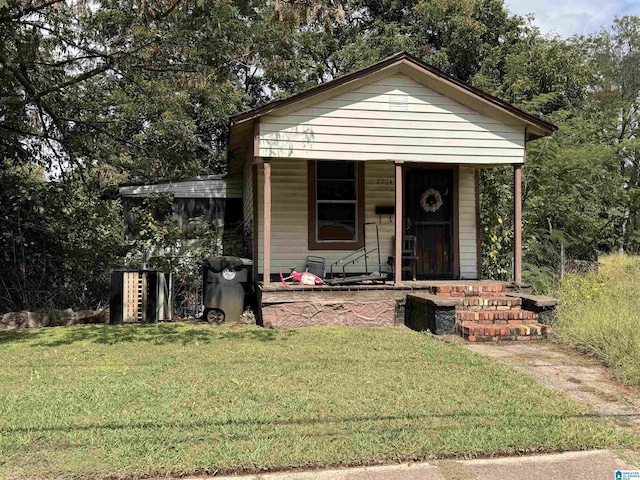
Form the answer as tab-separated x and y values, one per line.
580	376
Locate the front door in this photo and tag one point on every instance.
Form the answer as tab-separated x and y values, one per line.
428	206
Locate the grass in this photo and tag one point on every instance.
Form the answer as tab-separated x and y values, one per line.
600	315
176	398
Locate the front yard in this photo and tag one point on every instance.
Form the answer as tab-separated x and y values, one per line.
181	398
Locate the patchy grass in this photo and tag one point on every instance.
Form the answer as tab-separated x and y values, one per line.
130	400
600	315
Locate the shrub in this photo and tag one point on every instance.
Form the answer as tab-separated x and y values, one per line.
599	315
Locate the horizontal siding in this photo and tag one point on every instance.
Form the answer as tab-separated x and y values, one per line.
309	122
289	219
296	132
420	150
411	157
467	223
289	231
230	187
306	115
395	118
351	143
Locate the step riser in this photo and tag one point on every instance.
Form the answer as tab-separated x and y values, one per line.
469	290
490	303
504	330
493	333
502	338
504	322
493	316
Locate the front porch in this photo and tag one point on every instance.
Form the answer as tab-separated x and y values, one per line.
405	286
288	225
475	310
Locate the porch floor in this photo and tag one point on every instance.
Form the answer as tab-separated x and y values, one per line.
404	286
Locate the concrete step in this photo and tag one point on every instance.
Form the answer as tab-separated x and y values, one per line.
476	332
473	290
490	303
498	317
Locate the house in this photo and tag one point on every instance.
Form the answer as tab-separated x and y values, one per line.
318	169
386	159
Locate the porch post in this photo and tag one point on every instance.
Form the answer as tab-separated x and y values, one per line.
517	223
398	218
266	254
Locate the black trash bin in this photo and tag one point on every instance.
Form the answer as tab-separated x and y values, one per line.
226	281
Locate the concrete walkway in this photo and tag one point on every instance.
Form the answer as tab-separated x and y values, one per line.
580	376
591	465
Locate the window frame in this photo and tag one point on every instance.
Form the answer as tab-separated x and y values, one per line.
348	245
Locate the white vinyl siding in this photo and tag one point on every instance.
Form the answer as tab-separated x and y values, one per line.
395	118
467	225
289	219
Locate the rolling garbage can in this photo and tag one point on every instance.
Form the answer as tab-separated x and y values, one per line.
225	282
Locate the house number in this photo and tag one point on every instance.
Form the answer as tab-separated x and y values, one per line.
384	181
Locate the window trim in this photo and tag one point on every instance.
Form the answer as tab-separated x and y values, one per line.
313	243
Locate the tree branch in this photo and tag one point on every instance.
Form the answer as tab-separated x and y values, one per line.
28	9
169	10
80	78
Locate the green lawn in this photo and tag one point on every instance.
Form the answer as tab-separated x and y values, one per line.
193	398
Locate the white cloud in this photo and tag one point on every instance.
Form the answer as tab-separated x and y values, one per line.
569	17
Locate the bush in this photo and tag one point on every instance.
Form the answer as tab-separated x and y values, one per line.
599	315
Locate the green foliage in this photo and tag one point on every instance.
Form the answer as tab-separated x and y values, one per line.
117	91
57	241
92	97
599	315
157	241
578	192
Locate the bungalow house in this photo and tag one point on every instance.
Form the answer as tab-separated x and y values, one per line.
400	136
386	159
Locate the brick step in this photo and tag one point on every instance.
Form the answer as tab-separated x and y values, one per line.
496	316
483	289
475	332
490	303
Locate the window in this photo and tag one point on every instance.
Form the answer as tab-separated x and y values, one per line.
335	205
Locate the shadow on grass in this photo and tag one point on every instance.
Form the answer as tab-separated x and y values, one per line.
15	336
156	334
358	419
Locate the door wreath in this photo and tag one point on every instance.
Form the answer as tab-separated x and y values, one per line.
431	200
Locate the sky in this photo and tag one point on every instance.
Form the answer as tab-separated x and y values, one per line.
569	17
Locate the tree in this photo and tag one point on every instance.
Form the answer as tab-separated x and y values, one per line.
614	56
94	95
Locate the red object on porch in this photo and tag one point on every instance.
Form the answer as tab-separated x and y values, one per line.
304	278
